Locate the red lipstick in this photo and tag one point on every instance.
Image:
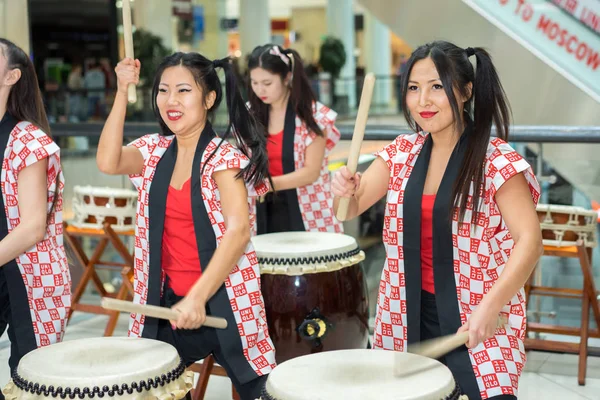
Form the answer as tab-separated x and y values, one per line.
174	115
427	114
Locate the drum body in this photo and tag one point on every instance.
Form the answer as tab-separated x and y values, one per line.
360	375
93	206
106	367
315	292
566	225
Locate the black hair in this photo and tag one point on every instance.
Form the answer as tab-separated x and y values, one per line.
272	58
243	126
486	104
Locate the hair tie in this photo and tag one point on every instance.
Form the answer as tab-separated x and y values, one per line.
276	52
470	51
219	63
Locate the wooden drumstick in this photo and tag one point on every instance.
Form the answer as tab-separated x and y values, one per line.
128	39
357	137
436	348
156	312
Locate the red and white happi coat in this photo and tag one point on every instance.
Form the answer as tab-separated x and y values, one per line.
315	200
247	305
480	256
44	268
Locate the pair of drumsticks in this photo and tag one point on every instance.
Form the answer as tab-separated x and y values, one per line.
434	348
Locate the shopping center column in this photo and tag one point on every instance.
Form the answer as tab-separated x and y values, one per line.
254	25
378	58
14	22
210	36
340	24
156	17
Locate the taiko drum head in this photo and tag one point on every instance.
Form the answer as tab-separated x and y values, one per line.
106	367
297	253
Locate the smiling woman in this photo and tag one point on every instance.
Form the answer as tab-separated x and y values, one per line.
461	231
193	250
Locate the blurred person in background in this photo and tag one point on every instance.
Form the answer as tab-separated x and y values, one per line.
75	87
301	133
95	84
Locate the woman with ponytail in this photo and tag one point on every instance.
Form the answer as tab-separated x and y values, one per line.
35	285
192	247
301	133
461	232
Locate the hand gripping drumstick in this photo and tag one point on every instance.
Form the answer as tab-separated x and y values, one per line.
357	137
128	38
435	348
156	312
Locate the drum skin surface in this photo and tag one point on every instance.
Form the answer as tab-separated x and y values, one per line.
360	375
98	361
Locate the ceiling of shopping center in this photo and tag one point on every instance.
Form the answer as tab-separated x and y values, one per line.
70	13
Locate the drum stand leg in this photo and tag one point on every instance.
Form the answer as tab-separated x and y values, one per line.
78	258
206	369
537	313
589	297
538	300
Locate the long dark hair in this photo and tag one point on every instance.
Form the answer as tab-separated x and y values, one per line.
25	98
487	104
242	125
301	93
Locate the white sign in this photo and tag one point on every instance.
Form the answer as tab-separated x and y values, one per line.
586	11
562	33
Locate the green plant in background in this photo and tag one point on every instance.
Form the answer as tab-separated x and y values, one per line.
332	60
333	56
149	49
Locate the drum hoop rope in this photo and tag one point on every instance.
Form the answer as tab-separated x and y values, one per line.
284	268
308	260
72	393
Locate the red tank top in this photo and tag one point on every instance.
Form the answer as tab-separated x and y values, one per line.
275	153
427	243
180	260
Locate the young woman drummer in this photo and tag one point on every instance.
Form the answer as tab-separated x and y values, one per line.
301	133
193	250
461	231
35	285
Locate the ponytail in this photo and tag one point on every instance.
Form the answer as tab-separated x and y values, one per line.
490	102
246	130
490	105
302	95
